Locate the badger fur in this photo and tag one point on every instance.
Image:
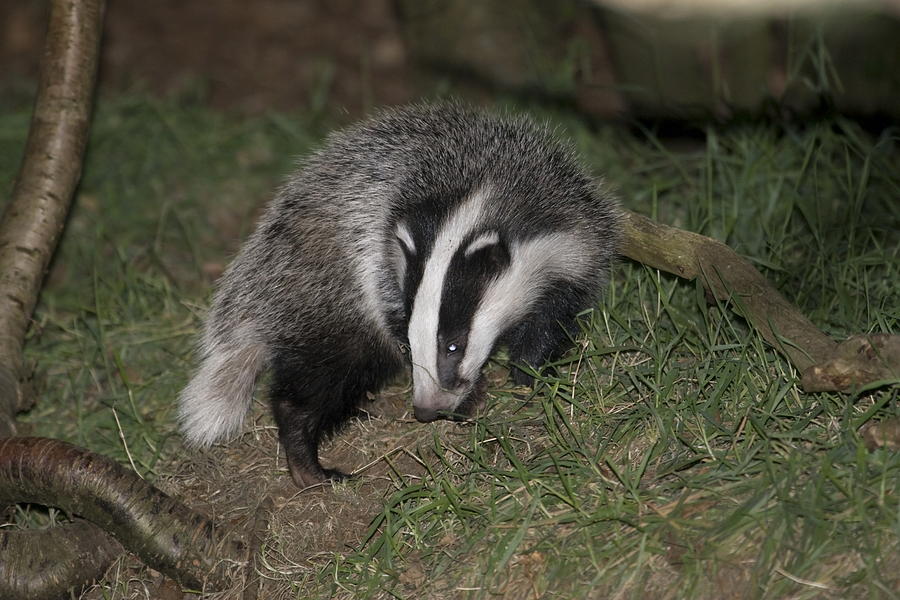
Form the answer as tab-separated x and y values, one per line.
426	236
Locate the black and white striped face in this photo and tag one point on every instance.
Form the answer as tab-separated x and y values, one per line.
467	281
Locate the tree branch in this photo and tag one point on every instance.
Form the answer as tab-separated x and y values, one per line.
51	166
826	365
39	564
162	531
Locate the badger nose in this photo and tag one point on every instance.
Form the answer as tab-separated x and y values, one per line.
425	415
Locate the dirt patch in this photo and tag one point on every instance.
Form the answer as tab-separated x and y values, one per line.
304	528
301	530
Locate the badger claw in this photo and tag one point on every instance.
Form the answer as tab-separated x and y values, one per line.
306	477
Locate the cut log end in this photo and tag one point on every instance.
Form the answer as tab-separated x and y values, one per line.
858	361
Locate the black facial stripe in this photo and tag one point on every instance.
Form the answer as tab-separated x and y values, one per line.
467	279
414	269
422	220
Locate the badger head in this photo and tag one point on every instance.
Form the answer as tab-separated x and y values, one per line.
468	278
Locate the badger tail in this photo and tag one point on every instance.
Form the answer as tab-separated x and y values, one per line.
217	398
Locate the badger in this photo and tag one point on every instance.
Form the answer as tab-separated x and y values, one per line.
427	236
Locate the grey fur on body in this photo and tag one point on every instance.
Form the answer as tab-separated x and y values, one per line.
323	285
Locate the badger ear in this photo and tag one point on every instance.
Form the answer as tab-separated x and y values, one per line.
489	247
403	235
482	241
404	254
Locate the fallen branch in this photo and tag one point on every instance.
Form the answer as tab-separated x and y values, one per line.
858	360
51	166
163	532
38	564
731	279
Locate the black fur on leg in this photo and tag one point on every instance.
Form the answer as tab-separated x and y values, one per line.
310	404
300	431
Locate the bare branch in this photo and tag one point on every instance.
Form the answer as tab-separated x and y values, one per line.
51	166
38	564
857	361
827	366
162	531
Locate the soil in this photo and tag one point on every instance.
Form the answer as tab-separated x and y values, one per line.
245	483
233	482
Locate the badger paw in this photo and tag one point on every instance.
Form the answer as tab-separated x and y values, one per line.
310	476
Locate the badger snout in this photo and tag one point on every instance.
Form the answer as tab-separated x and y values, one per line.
425	415
435	403
457	404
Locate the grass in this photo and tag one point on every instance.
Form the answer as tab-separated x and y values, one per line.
672	456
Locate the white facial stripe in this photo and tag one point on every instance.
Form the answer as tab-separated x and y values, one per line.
423	323
533	264
405	237
488	238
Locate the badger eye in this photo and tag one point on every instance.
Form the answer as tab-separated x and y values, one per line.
452	348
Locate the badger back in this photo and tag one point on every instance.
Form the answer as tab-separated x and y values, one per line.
435	227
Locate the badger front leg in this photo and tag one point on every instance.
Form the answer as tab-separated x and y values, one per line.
531	348
306	409
299	431
543	335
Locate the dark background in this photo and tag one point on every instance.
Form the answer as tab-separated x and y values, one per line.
345	57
